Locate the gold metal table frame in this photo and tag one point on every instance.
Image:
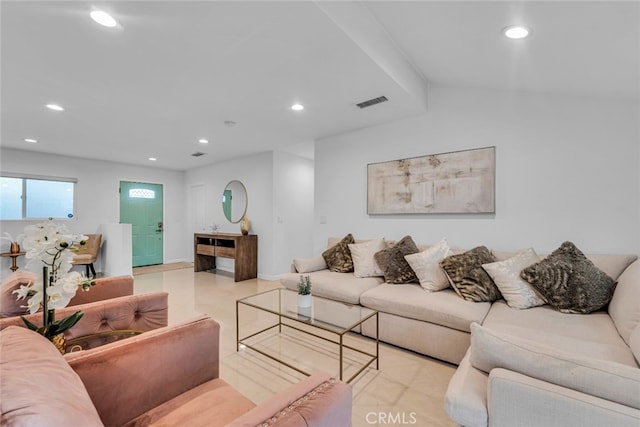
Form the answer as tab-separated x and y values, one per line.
273	302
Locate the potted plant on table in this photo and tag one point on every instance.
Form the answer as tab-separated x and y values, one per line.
304	292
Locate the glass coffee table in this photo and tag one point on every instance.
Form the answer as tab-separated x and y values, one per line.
326	315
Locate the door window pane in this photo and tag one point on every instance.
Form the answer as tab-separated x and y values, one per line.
141	193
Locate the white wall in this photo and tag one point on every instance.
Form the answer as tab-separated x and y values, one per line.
256	173
280	208
97	197
292	209
567	169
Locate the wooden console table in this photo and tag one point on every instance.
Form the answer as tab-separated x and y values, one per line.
242	249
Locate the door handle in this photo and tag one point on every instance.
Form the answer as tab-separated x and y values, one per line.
159	229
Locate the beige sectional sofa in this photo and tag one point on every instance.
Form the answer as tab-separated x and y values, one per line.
533	366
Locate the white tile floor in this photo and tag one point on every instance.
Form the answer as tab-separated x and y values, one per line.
407	390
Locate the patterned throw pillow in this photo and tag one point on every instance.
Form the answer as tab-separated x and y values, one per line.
391	260
338	257
467	276
569	282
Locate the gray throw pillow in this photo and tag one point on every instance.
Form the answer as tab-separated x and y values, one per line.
338	257
570	282
467	276
391	260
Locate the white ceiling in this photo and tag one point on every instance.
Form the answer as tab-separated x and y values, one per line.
174	71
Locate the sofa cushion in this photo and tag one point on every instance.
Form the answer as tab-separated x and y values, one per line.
338	257
506	276
602	378
9	306
212	404
570	282
364	263
426	265
391	260
624	307
343	287
593	335
308	265
411	301
38	385
467	276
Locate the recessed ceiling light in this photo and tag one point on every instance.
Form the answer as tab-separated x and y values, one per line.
203	141
516	32
297	107
54	107
103	18
152	159
31	140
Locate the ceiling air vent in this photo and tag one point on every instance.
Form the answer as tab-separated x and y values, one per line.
370	102
198	154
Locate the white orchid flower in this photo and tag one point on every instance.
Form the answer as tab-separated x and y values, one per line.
49	244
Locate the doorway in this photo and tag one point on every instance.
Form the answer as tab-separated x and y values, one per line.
141	206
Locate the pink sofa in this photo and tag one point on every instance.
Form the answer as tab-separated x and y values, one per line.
105	288
169	377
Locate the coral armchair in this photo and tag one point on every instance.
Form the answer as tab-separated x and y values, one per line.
142	312
104	288
168	377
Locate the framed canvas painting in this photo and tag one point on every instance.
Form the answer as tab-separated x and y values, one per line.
456	182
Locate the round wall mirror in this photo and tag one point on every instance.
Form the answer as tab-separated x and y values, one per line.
234	201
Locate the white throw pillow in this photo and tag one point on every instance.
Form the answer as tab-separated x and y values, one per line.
364	264
308	265
506	275
426	266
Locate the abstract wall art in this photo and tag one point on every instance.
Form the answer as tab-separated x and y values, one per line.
456	182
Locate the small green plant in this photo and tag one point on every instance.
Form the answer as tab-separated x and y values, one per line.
304	287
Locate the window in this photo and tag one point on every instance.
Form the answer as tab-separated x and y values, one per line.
141	193
36	198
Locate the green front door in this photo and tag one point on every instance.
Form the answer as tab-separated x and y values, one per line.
141	206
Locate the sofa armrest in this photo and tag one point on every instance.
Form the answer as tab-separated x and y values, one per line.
316	401
127	378
465	400
105	288
514	397
142	312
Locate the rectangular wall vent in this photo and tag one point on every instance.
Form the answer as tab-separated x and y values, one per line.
370	102
198	154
